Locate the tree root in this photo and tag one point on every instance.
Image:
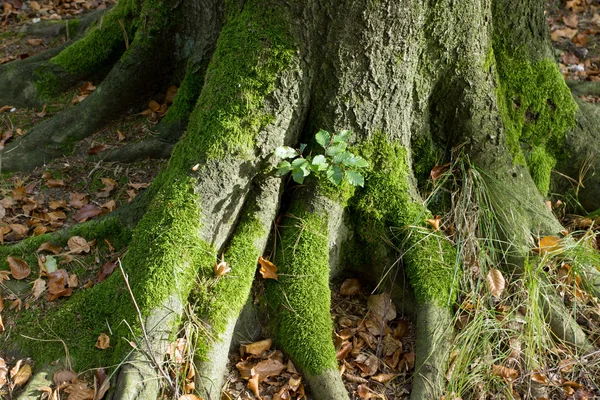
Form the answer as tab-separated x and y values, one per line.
54	137
584	88
248	242
299	301
68	29
150	148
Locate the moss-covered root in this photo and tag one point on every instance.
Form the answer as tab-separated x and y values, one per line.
434	327
231	291
129	79
299	302
150	148
583	163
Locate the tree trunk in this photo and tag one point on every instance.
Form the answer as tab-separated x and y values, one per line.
414	81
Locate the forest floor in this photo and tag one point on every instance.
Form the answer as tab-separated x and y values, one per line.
375	350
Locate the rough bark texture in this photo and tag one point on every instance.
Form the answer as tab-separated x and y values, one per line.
412	80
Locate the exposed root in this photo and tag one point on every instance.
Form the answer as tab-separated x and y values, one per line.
54	137
587	88
299	301
70	29
563	325
151	148
434	327
248	242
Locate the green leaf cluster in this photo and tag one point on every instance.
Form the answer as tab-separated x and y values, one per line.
336	164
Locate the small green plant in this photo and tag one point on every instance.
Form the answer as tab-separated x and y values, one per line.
336	164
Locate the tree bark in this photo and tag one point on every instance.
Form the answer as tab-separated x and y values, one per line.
413	81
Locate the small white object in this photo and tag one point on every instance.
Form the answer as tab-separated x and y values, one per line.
36	20
13	109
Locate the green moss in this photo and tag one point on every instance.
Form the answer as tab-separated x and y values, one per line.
301	298
162	261
253	50
537	110
186	97
424	157
385	202
223	301
540	167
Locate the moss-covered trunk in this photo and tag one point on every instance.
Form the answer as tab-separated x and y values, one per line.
412	80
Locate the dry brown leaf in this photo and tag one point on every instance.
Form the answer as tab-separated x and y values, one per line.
4	276
189	396
3	371
19	229
381	307
504	372
1	326
39	287
49	247
103	342
102	383
16	304
55	183
77	200
538	377
73	282
86	212
438	171
256	348
344	350
106	270
120	136
549	244
222	268
78	245
384	378
97	149
253	386
495	282
571	20
153	105
171	93
268	270
563	33
267	368
58	285
435	222
20	373
18	268
79	391
350	287
367	363
64	376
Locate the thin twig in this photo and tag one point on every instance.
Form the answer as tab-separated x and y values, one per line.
143	326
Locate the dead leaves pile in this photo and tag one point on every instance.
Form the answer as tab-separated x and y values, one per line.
265	373
155	110
44	205
13	10
574	29
374	347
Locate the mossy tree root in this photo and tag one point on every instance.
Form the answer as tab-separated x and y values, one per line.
588	88
299	302
149	148
125	84
230	292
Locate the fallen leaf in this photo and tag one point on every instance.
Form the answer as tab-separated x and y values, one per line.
86	212
538	377
438	171
77	200
267	368
563	33
97	149
121	136
18	267
268	270
153	105
39	287
381	307
350	287
78	245
20	374
384	378
3	371
106	270
571	20
495	282
189	396
102	383
79	391
253	386
435	222
504	372
222	268
256	348
49	247
548	244
103	342
171	93
64	376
